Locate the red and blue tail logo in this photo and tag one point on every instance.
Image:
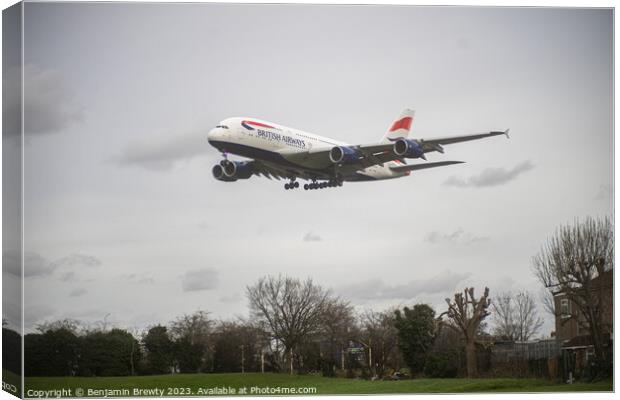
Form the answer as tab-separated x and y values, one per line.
400	127
403	123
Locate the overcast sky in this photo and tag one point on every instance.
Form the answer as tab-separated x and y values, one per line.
124	219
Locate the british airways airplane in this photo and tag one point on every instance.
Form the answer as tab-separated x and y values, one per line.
287	153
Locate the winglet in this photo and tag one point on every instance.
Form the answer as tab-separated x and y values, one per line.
506	133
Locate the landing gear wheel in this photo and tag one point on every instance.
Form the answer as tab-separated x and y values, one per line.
296	184
286	186
305	186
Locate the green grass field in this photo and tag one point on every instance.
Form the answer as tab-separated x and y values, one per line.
204	384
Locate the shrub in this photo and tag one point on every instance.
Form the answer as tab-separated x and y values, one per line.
442	365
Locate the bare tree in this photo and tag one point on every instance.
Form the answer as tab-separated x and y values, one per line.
338	323
528	321
192	337
195	327
380	337
515	316
467	313
291	309
70	325
569	263
504	316
548	302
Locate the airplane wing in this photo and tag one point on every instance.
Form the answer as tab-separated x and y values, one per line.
436	144
375	153
414	167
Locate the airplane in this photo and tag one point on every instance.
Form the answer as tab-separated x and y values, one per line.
291	154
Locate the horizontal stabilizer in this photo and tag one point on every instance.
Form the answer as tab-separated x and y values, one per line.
414	167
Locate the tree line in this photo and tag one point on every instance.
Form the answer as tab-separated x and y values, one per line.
297	326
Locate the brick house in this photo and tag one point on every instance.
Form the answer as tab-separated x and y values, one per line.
571	326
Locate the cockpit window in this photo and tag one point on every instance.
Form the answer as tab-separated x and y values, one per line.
222	126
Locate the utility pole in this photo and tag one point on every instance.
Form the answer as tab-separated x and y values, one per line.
132	351
262	361
242	359
105	322
370	356
369	347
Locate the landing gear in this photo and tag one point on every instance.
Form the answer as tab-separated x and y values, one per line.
292	185
322	185
309	186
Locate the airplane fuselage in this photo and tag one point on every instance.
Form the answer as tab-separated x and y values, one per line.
274	143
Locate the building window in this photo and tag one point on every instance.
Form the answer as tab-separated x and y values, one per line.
583	328
565	308
589	353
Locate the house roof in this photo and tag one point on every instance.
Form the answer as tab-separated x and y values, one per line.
582	341
578	341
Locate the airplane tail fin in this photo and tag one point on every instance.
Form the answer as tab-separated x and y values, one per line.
401	127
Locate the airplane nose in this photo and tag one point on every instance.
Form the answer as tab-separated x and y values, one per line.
213	134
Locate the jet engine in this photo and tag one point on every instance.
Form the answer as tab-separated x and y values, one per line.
343	155
218	173
408	148
238	169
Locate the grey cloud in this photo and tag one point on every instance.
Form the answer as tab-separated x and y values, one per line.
234	298
77	260
11	263
48	102
457	237
163	154
140	279
605	192
202	279
490	176
78	292
71	265
375	289
311	237
35	265
68	276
